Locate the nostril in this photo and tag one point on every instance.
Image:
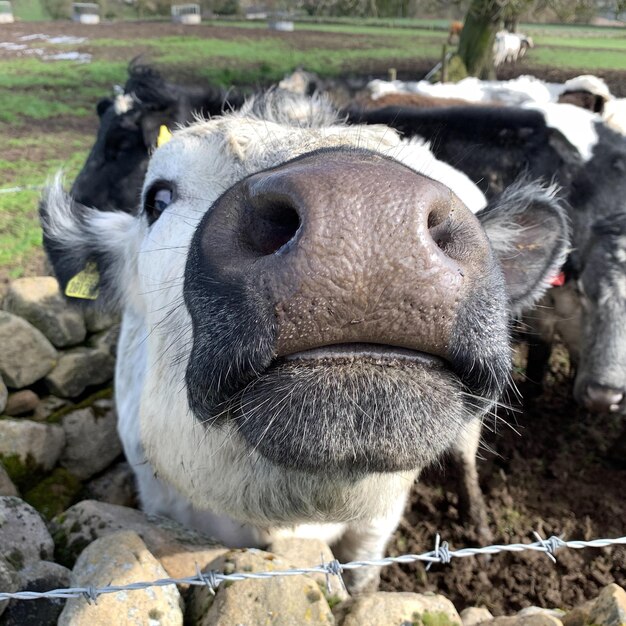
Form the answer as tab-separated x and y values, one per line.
438	215
603	399
270	226
440	228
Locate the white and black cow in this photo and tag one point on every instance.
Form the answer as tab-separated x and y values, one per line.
112	175
509	47
571	146
312	313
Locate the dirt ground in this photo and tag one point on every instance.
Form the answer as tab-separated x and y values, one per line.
547	468
551	468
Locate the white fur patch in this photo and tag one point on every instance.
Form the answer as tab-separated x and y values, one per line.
614	114
590	83
123	103
575	124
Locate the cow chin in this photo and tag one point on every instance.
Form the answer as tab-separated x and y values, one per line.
351	417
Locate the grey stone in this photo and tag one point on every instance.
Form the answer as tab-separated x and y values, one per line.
39	301
280	601
91	442
390	609
609	609
579	616
538	610
7	488
9	581
26	355
115	486
536	619
47	406
97	320
179	549
308	553
41	576
22	402
119	559
78	369
24	537
34	445
4	395
106	341
473	615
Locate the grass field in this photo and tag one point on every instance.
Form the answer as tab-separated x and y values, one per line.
47	120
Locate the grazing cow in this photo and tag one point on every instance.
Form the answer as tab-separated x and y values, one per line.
311	314
509	47
111	177
573	147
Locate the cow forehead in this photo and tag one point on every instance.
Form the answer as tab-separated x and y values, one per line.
212	156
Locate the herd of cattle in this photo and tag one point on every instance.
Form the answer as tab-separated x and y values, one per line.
317	298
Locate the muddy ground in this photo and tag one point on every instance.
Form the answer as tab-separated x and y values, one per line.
548	467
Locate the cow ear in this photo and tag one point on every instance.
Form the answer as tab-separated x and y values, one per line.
151	124
90	251
529	233
103	106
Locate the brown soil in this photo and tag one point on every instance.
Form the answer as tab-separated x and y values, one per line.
551	470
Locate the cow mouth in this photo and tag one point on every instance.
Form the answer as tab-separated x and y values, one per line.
374	353
353	409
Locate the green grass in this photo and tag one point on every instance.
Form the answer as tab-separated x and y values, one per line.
579	59
28	10
20	233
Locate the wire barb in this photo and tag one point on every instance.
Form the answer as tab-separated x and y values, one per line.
90	594
209	578
334	568
441	552
550	545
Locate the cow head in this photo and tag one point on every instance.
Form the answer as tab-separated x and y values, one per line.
596	270
113	173
310	309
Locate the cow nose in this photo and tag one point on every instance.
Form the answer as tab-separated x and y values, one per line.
348	247
600	399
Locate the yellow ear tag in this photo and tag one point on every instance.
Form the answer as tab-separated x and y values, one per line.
85	284
164	135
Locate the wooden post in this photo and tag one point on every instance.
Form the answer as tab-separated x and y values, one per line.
393	73
444	64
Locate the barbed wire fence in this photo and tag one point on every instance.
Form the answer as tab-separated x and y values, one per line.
212	579
20	189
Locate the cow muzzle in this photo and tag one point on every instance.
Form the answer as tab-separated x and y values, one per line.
341	279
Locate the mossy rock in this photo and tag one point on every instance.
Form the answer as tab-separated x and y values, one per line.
433	618
101	394
55	493
24	474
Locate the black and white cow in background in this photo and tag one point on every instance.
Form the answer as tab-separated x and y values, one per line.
311	315
113	173
571	146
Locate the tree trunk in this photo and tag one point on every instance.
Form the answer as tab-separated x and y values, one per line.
479	32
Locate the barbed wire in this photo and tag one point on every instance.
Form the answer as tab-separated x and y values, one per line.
212	579
23	188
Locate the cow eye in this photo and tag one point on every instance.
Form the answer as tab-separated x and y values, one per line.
158	198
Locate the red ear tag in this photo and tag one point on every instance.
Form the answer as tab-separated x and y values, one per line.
558	280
